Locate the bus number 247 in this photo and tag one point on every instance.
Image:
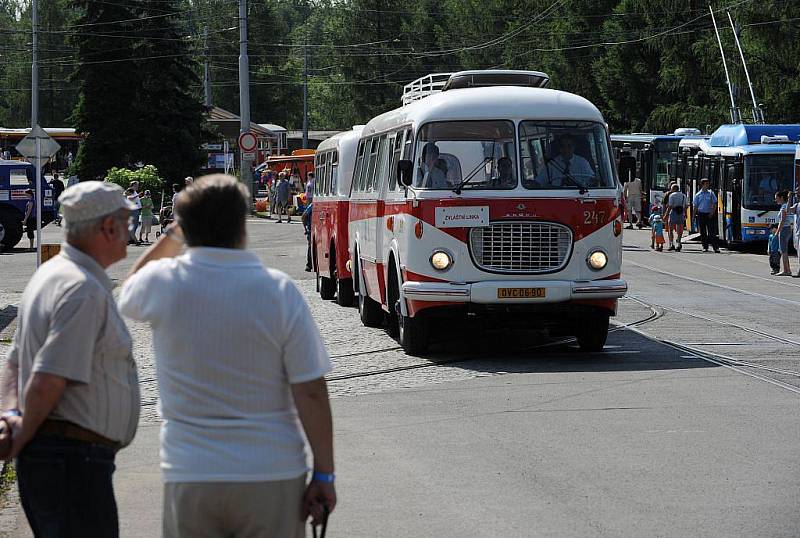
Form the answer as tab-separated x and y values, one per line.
594	217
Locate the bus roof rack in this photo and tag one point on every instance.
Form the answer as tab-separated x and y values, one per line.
424	86
440	82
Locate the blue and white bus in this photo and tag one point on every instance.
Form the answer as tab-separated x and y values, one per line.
747	165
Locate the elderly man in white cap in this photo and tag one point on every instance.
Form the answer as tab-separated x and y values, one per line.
70	389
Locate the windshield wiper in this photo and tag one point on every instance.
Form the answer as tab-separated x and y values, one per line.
581	187
457	188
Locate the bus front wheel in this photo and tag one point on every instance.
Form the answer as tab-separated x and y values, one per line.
593	333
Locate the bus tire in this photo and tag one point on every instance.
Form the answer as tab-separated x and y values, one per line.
344	291
10	229
412	333
327	287
369	310
593	333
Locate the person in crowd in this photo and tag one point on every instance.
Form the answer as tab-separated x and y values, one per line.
656	232
784	231
774	249
282	195
295	182
794	211
70	348
133	196
310	188
147	217
567	168
232	447
188	180
175	190
30	217
705	207
306	218
675	214
434	170
633	196
58	187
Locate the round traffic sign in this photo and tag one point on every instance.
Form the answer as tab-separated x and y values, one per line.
248	141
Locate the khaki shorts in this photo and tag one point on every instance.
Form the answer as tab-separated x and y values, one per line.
241	509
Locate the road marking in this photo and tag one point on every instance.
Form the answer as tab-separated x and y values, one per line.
780	281
715	285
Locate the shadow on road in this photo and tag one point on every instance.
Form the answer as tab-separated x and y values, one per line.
516	352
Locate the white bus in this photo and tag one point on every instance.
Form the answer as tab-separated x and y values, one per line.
492	198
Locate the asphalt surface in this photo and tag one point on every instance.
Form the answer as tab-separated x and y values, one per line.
686	425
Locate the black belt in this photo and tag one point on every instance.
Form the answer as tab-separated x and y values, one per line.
62	428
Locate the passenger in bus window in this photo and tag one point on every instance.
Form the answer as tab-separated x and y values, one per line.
567	167
434	169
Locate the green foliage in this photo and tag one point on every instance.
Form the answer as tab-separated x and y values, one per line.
649	65
147	176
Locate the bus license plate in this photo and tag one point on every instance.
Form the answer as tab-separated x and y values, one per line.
520	293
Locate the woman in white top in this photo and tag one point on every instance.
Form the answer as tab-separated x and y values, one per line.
784	230
675	215
794	210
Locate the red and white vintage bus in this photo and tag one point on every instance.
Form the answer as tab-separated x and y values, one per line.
493	197
334	163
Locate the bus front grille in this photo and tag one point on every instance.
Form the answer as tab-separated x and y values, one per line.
521	247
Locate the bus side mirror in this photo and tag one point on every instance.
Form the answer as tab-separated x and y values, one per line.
405	169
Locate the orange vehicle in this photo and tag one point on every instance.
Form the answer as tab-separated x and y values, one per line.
301	160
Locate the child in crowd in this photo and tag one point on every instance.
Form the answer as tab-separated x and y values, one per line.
656	232
774	249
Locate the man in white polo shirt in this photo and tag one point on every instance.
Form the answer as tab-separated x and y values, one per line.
239	360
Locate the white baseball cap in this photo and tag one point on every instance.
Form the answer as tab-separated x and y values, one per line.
92	199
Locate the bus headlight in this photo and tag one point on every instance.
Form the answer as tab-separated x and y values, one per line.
441	260
597	260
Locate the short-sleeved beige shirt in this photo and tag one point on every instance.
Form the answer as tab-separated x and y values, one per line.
69	326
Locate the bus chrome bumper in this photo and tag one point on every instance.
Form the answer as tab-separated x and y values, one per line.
515	291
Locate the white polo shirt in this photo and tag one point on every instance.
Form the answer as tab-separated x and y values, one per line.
230	336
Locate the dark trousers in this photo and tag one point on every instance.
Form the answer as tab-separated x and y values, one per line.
308	253
65	488
708	230
775	261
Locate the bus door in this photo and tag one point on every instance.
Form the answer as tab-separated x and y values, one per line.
374	230
733	199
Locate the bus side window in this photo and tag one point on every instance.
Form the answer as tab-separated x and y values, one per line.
398	146
369	181
363	162
334	167
408	145
381	172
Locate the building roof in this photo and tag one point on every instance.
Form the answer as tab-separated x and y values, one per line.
220	115
272	127
312	135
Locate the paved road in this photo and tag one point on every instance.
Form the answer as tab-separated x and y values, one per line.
485	437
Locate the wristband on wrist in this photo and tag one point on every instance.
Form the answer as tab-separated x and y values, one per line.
327	478
12	413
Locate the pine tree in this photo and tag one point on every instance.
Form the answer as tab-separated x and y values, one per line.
169	104
108	82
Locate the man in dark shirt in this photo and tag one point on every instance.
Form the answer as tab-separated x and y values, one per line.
58	187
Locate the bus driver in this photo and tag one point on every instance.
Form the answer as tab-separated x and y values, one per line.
565	165
433	170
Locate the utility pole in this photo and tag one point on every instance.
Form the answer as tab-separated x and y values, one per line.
246	166
207	71
305	92
35	123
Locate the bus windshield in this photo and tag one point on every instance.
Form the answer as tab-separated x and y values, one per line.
764	176
565	155
450	153
666	163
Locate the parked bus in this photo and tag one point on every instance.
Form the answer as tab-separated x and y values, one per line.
651	158
334	163
747	165
494	198
67	138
